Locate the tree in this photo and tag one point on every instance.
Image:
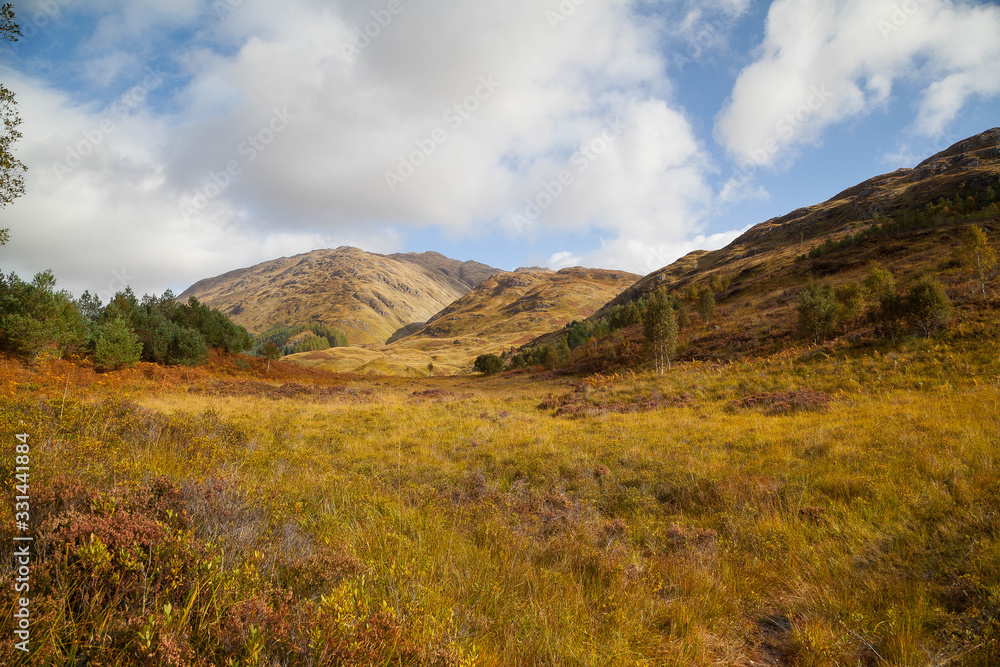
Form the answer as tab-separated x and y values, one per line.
117	346
683	319
11	169
660	330
879	284
488	364
706	304
818	311
89	306
851	297
928	306
977	256
219	331
562	352
33	315
578	333
272	352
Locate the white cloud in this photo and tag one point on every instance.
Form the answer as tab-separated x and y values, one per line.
642	257
563	260
826	61
348	118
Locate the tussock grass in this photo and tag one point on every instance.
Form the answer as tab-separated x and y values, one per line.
469	525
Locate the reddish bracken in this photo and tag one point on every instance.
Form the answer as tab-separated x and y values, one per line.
781	402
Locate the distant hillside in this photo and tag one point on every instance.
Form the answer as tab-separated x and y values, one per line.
527	301
505	311
896	219
368	296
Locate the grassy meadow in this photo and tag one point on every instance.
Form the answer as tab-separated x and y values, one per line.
824	506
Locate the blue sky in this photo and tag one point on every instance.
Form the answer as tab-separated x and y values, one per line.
173	140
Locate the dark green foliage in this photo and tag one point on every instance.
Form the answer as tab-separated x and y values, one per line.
219	331
123	305
818	310
173	333
89	306
621	317
529	357
578	333
927	305
34	315
169	343
323	337
488	364
117	346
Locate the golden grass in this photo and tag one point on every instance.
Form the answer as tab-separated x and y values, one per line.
486	530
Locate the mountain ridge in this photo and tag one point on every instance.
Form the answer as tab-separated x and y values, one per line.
367	295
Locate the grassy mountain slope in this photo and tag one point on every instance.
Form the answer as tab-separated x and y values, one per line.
505	311
366	295
764	270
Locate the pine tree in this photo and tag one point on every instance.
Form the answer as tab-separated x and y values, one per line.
117	346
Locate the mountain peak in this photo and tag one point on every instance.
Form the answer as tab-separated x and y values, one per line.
368	296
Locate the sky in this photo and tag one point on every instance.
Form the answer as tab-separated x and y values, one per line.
173	140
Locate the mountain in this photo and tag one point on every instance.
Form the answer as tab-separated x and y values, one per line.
527	300
896	219
505	311
368	296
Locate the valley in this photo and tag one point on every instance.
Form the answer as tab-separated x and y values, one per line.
810	480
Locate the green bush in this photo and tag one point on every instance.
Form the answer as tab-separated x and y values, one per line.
488	364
